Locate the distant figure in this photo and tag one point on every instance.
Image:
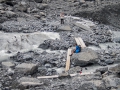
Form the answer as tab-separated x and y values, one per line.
77	50
62	18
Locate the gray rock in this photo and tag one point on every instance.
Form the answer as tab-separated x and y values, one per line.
111	81
35	10
10	14
23	3
109	61
8	64
102	70
27	68
42	6
48	65
3	19
37	16
102	63
22	8
42	71
75	70
1	27
84	5
64	28
10	72
115	69
86	85
21	19
26	81
42	14
47	1
99	84
83	25
84	58
27	57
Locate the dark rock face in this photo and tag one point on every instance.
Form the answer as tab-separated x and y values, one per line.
107	15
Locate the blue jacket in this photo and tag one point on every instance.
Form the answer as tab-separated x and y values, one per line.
78	49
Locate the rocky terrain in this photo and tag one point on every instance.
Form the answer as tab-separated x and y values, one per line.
100	68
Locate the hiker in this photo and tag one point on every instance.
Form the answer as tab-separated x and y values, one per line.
77	50
62	18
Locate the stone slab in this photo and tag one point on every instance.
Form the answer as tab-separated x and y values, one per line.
8	64
27	68
64	28
26	81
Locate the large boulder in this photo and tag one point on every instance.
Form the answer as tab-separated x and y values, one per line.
27	68
85	57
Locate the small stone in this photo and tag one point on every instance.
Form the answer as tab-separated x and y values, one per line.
10	72
37	16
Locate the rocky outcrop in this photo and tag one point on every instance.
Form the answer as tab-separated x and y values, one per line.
84	58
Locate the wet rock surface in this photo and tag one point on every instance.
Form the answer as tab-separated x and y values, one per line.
43	15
